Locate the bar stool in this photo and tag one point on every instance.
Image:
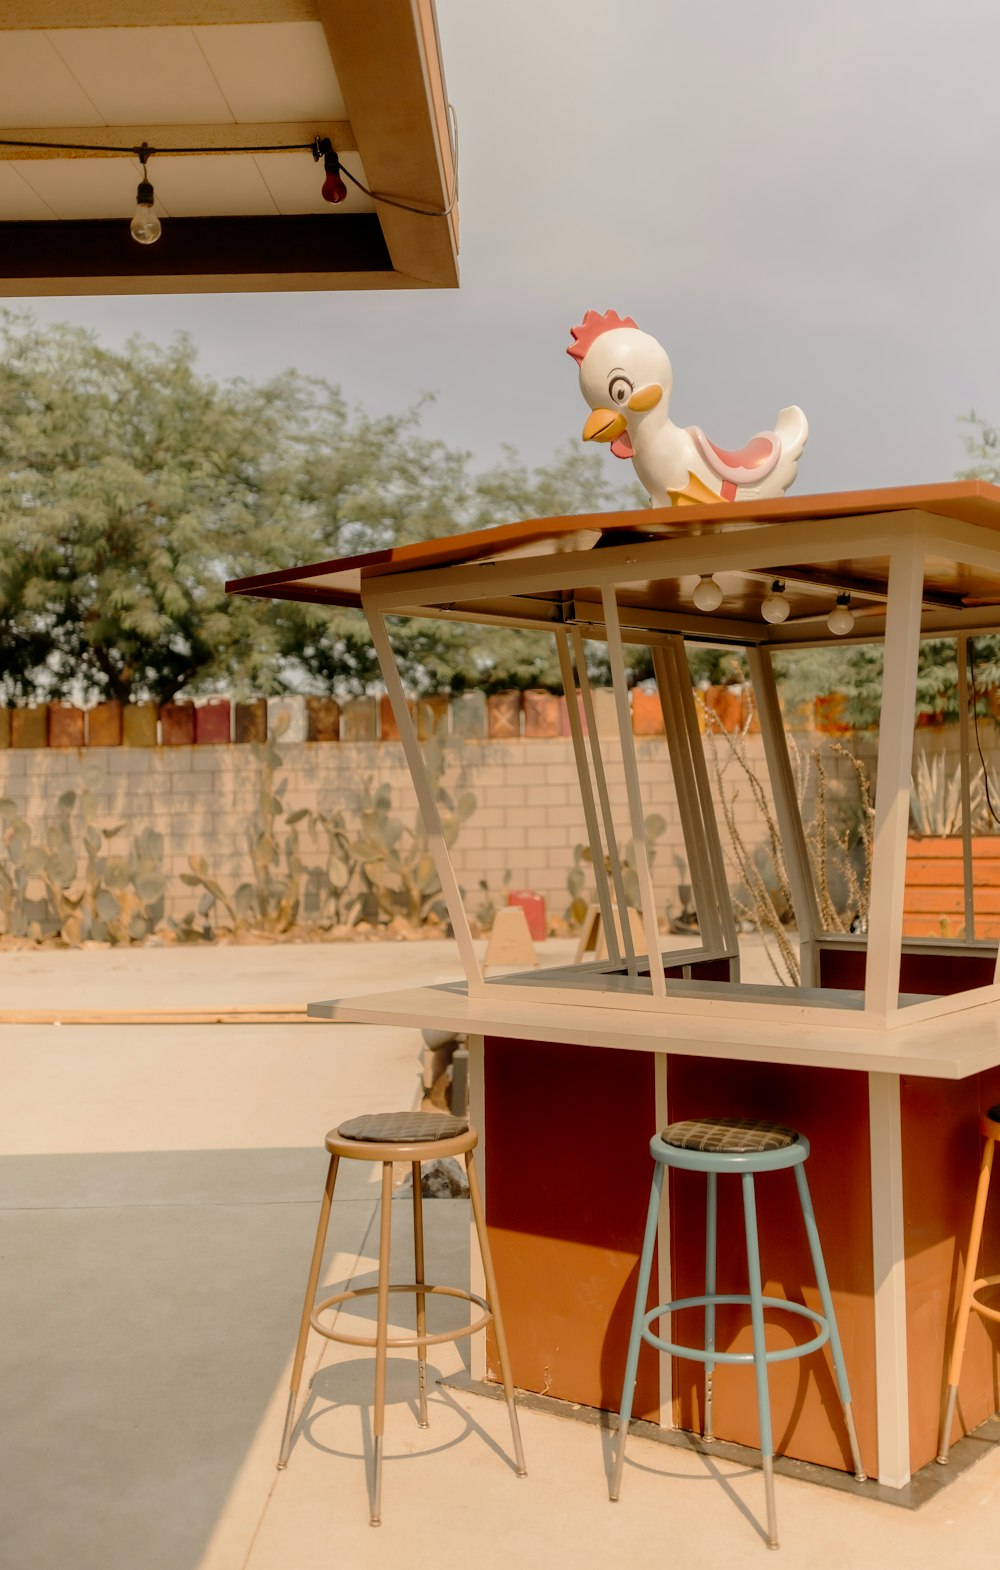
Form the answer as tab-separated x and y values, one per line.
968	1303
739	1146
389	1137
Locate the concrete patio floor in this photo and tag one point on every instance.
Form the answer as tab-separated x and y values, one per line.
159	1189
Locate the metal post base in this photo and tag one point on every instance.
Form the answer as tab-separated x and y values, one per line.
707	1433
949	1418
286	1438
616	1476
376	1516
861	1476
772	1519
515	1429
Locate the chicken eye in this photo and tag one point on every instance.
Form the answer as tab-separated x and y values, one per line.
620	389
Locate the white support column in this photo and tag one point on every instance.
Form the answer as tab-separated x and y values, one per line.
688	803
888	1270
610	833
647	896
892	791
962	661
714	843
664	1274
477	1117
788	813
604	899
425	801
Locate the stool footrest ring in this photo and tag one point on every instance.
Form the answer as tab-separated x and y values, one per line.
981	1308
402	1341
703	1355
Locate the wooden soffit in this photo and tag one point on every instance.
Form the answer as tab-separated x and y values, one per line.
258	74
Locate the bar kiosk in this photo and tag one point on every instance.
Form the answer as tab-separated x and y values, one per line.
885	1052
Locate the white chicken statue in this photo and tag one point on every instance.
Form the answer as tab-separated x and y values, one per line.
625	376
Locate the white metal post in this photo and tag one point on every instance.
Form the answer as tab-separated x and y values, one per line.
892	791
688	803
892	1399
711	822
604	899
962	656
610	833
788	813
477	1117
425	801
647	896
664	1273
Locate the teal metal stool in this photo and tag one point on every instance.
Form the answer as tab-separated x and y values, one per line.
738	1146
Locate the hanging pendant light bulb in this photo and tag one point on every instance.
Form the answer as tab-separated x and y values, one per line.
145	226
840	620
707	594
775	607
333	189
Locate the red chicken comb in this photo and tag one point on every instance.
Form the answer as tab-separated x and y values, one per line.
592	326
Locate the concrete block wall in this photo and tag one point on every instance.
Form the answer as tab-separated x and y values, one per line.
528	817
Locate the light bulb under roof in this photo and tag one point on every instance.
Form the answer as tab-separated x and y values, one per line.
841	620
707	594
775	608
145	227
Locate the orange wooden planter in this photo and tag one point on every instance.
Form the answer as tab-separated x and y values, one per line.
30	727
934	900
503	712
177	723
541	713
139	724
66	725
830	714
104	724
250	721
322	719
4	728
647	713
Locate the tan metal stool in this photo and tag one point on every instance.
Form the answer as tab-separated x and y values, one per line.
968	1303
389	1137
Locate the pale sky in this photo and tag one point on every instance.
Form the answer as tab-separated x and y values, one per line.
799	198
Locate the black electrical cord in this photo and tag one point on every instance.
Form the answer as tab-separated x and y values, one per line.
975	720
318	146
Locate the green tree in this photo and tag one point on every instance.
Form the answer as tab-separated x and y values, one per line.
132	487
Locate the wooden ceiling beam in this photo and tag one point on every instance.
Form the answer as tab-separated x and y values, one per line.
116	139
388	64
22	15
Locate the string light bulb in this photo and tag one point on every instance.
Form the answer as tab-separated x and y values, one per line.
334	189
774	607
145	226
841	620
707	594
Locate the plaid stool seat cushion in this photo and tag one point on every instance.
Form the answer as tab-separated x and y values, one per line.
403	1128
737	1136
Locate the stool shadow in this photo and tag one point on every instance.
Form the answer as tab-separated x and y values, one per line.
351	1384
609	1436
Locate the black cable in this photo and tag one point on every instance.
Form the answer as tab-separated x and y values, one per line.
422	211
975	720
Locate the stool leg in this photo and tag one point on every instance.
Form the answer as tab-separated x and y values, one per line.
493	1299
381	1337
638	1315
826	1298
418	1260
760	1355
965	1299
711	1220
307	1308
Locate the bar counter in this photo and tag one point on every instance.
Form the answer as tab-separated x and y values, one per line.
566	1097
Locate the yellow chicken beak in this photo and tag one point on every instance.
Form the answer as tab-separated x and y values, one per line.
604	425
645	398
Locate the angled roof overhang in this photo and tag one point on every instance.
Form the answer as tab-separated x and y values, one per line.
248	73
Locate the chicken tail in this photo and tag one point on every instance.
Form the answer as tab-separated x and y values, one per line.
793	429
